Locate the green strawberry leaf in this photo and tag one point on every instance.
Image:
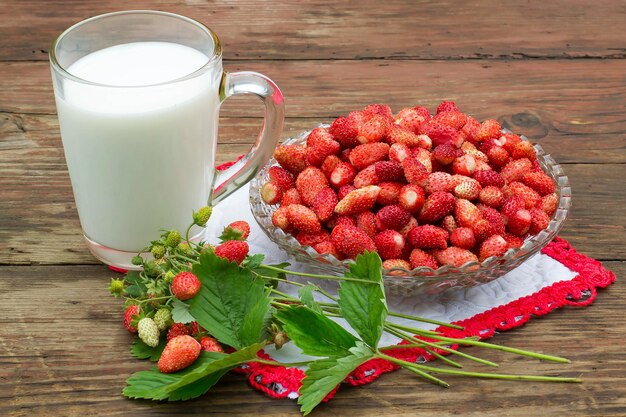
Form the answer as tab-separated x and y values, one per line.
314	333
306	296
253	261
190	382
132	277
363	305
142	351
232	305
324	375
180	312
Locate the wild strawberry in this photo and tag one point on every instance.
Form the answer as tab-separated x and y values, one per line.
511	205
359	200
524	149
397	134
179	353
398	151
163	318
508	141
344	190
515	170
345	220
448	223
389	171
195	328
148	332
315	155
364	155
470	128
327	248
493	217
454	119
436	206
487	178
445	153
445	106
539	221
493	246
464	165
351	241
130	314
423	156
463	237
488	129
291	196
491	196
389	193
530	196
412	198
312	239
389	244
342	174
329	165
498	156
309	182
407	227
410	119
177	329
457	179
234	250
280	219
382	110
366	177
466	213
478	155
271	193
482	230
428	237
539	182
324	203
549	203
396	263
209	344
519	223
240	226
440	134
303	218
482	166
392	217
372	130
366	221
281	177
414	171
345	131
454	256
317	137
468	190
291	157
513	241
438	181
419	258
186	285
344	156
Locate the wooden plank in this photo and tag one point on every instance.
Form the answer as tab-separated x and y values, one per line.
63	351
325	29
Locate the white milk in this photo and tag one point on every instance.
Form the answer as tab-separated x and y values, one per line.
140	158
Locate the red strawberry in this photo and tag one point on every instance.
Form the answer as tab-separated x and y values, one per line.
454	256
382	110
549	203
539	221
482	166
498	156
397	134
177	329
457	179
408	227
539	182
445	106
488	129
494	246
464	165
483	229
366	177
392	217
271	193
372	130
466	213
318	137
344	131
454	119
344	156
242	227
420	258
530	196
412	198
291	196
438	181
398	151
359	200
209	344
445	153
291	157
342	174
351	241
324	203
524	149
367	154
345	220
366	221
179	353
195	328
281	177
468	190
511	205
396	263
449	223
280	219
436	206
491	196
389	244
410	119
519	223
130	314
344	190
463	237
470	128
493	217
486	178
235	250
309	182
320	144
327	248
389	171
186	285
329	165
513	241
312	239
423	156
428	237
389	193
303	218
414	171
440	134
508	141
515	170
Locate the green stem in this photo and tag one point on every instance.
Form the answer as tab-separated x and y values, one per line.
409	366
425	320
304	274
443	358
187	234
285	296
498	376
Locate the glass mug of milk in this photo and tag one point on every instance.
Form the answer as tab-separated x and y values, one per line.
138	96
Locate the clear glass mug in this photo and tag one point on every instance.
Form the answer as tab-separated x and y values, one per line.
140	149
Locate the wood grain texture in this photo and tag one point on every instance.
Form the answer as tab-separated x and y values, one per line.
63	351
338	30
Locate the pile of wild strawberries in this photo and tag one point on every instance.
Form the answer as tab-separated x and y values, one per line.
420	189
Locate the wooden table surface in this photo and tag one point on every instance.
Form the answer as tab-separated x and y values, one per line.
555	71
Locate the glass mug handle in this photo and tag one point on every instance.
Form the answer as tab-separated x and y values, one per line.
246	168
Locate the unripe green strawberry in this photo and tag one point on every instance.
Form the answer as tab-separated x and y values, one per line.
169	276
202	216
117	287
148	331
137	260
163	318
173	239
158	251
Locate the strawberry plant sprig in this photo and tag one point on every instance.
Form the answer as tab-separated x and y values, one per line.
193	299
